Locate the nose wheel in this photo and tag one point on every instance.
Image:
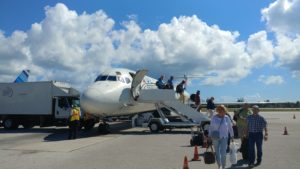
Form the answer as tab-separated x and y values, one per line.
104	128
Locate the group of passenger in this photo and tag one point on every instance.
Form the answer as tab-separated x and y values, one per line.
169	85
250	125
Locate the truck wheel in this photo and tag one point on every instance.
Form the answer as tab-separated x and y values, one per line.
10	124
27	125
154	127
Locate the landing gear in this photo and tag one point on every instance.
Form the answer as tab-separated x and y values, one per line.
104	128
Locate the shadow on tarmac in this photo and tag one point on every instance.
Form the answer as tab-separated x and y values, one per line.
33	130
120	128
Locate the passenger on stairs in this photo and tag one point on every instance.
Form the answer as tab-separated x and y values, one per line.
180	90
210	107
170	83
198	101
160	82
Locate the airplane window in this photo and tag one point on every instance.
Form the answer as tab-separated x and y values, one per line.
127	80
112	78
101	78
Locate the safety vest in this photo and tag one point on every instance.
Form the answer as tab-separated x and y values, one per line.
75	114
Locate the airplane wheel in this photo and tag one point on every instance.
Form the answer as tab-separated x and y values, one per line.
154	127
103	128
89	124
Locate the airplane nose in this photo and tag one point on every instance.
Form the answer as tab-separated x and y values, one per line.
90	100
94	101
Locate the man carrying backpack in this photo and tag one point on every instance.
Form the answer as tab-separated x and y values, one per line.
180	90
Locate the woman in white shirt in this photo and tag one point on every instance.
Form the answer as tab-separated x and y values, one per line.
220	127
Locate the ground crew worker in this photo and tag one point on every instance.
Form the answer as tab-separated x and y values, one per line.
74	122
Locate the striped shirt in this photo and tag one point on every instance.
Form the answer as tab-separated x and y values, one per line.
256	123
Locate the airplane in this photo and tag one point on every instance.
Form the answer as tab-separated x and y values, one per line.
120	91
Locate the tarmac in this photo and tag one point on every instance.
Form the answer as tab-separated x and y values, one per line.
137	148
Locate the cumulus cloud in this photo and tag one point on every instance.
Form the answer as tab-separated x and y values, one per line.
282	17
74	47
271	80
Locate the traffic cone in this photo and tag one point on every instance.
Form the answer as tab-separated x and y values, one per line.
294	116
285	131
185	163
196	155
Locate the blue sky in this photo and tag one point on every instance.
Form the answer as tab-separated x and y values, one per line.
254	53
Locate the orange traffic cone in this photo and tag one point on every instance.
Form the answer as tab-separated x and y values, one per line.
294	116
196	155
285	131
185	163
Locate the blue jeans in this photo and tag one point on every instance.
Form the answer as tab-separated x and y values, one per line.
220	146
255	139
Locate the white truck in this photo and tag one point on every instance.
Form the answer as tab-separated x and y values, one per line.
38	104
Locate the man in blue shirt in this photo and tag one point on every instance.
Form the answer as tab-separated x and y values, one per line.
160	82
255	126
170	83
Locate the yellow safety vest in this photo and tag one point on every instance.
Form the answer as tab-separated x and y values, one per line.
75	114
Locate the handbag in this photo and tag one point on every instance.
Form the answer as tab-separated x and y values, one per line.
233	153
209	156
216	133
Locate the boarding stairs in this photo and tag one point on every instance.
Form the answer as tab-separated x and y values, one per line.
167	98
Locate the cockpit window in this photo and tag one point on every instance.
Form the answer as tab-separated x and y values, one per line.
101	78
120	79
112	78
127	80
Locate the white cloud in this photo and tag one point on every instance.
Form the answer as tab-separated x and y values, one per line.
282	16
271	80
74	47
260	49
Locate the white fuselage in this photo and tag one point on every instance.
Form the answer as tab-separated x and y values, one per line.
110	94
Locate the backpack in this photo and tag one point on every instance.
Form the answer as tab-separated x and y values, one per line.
179	88
192	97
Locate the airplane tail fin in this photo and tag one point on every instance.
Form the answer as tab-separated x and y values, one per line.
23	77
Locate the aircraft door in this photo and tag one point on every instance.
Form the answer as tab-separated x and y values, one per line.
136	82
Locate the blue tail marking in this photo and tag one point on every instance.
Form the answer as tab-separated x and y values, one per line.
23	77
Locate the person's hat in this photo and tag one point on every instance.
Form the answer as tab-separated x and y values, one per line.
255	107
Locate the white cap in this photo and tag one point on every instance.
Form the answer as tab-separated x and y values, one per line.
255	107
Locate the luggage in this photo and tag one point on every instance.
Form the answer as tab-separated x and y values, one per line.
233	153
197	139
209	156
244	148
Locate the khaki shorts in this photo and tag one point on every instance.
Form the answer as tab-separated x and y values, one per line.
241	131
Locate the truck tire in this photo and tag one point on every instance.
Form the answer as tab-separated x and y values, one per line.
10	124
155	127
27	125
